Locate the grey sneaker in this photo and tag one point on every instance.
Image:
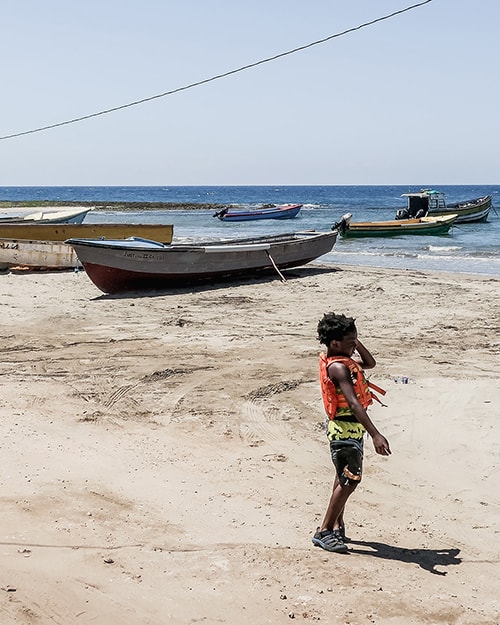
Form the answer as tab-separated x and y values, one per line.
329	540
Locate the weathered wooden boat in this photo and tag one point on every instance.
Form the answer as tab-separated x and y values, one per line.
285	211
65	216
431	203
422	225
26	254
37	246
135	264
60	232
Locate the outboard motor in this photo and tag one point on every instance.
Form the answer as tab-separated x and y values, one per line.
220	214
343	224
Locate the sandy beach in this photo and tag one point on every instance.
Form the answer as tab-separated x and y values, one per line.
164	460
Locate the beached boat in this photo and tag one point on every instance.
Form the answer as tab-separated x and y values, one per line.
285	211
60	232
422	225
134	264
65	216
36	246
429	202
25	254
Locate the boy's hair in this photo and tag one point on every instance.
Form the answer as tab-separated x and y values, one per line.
334	327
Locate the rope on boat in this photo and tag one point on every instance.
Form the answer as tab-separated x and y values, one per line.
282	277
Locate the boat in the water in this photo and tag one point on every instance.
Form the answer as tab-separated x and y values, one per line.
41	246
285	211
417	226
135	264
74	215
432	203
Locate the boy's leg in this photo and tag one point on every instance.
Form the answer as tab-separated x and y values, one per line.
334	513
348	462
330	536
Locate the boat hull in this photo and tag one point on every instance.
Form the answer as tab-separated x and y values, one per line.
37	255
279	212
438	225
41	246
123	266
467	212
67	216
433	203
61	232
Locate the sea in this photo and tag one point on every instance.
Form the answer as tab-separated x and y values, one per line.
468	248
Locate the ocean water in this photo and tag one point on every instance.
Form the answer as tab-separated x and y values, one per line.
468	248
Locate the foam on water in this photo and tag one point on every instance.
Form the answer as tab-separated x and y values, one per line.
468	248
443	248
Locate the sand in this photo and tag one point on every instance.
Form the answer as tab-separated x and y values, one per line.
163	459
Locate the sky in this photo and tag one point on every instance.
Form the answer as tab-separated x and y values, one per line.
410	99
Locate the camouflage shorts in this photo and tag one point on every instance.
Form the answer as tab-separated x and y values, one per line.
347	457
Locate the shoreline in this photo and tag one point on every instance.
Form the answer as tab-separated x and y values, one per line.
332	266
122	206
164	458
425	270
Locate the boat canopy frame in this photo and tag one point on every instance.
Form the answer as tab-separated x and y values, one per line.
427	200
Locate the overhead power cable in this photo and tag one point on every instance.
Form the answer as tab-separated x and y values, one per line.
218	76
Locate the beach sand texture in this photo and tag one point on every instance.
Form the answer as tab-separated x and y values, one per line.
163	458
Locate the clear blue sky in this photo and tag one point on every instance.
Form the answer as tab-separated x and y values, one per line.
411	99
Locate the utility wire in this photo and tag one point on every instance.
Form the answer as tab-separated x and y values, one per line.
217	77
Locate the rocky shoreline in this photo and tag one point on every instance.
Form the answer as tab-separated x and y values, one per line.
121	206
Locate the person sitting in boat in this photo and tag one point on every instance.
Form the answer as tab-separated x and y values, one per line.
417	208
406	213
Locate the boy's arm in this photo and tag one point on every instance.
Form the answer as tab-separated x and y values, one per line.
365	359
340	374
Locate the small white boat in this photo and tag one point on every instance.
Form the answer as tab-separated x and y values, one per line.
49	216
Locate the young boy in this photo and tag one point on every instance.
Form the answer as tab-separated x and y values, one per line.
346	396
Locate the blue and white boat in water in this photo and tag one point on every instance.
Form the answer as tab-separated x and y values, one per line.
285	211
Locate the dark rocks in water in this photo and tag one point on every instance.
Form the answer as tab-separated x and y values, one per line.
121	206
144	206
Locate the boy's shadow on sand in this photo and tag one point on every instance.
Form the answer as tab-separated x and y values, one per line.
427	559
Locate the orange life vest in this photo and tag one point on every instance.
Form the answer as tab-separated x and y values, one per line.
333	398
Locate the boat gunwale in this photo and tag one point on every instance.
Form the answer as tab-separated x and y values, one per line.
423	222
278	239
